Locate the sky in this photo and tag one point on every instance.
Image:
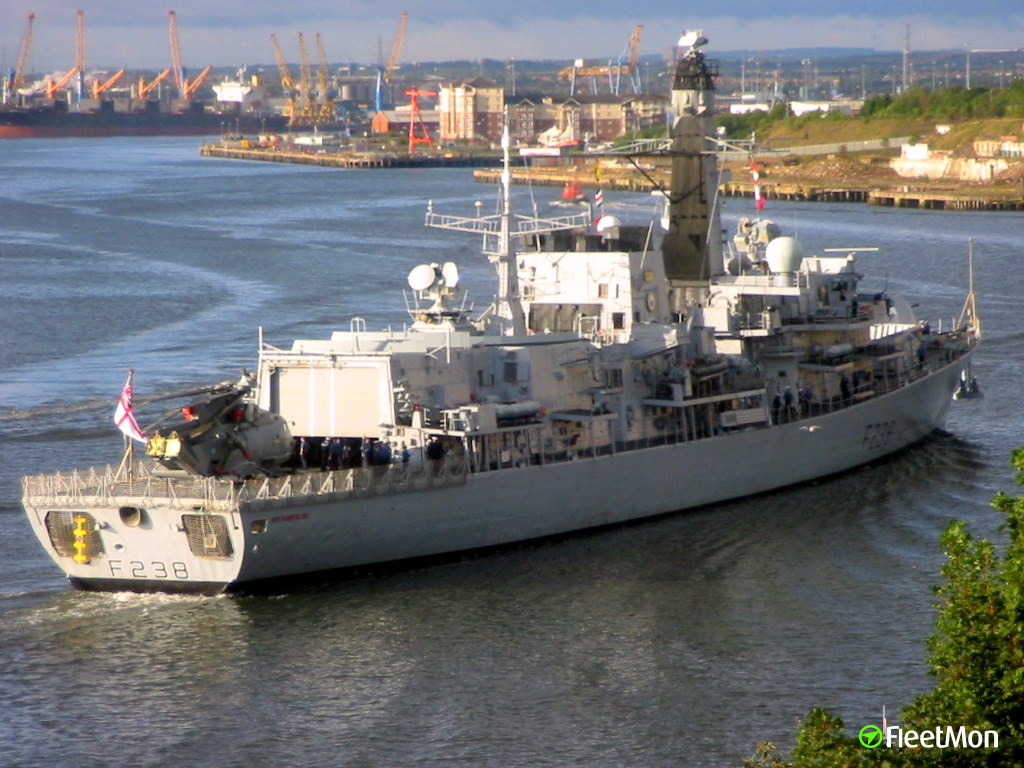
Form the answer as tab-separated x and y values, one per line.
132	34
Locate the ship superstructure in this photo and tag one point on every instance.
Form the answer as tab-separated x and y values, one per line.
621	371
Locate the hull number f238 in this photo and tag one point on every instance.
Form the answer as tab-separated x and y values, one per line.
152	569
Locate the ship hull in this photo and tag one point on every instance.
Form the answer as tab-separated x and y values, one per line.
272	539
56	124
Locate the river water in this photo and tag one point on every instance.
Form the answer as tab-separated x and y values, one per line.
682	641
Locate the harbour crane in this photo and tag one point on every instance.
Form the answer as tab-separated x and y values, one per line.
326	112
186	87
287	82
632	69
302	108
385	72
613	71
306	101
17	78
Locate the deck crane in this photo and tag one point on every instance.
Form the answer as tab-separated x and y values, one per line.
143	89
16	79
385	72
325	101
186	87
99	88
423	137
52	86
80	39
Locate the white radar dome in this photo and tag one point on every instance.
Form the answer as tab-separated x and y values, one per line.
422	277
784	254
607	222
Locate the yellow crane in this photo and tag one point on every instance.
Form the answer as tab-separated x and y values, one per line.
325	112
288	85
385	73
613	70
307	102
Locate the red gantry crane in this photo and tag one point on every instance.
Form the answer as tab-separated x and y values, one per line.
415	121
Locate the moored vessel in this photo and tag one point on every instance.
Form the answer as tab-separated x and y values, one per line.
622	371
58	122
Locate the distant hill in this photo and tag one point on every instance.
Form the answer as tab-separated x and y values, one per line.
789	54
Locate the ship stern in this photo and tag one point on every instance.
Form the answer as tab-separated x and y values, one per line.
140	535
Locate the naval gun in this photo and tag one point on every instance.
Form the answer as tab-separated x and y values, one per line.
222	433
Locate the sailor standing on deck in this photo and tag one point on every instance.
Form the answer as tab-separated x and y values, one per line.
325	448
435	453
334	454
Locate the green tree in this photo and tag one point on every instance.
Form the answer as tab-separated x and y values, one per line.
977	650
822	742
976	655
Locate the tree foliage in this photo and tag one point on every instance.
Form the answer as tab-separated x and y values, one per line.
946	104
955	103
976	655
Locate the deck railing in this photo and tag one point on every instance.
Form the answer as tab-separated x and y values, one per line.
140	486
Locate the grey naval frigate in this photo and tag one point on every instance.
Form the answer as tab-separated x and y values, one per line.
622	371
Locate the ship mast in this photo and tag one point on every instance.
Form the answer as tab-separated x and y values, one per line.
501	231
509	310
692	246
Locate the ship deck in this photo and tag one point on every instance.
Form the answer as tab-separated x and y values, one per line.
138	483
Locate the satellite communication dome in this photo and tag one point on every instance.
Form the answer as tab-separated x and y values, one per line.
784	254
450	273
422	277
607	222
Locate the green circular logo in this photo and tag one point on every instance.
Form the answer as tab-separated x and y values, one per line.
870	736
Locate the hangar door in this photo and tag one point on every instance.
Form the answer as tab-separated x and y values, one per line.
352	400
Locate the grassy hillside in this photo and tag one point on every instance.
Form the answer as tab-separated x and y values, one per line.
827	130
